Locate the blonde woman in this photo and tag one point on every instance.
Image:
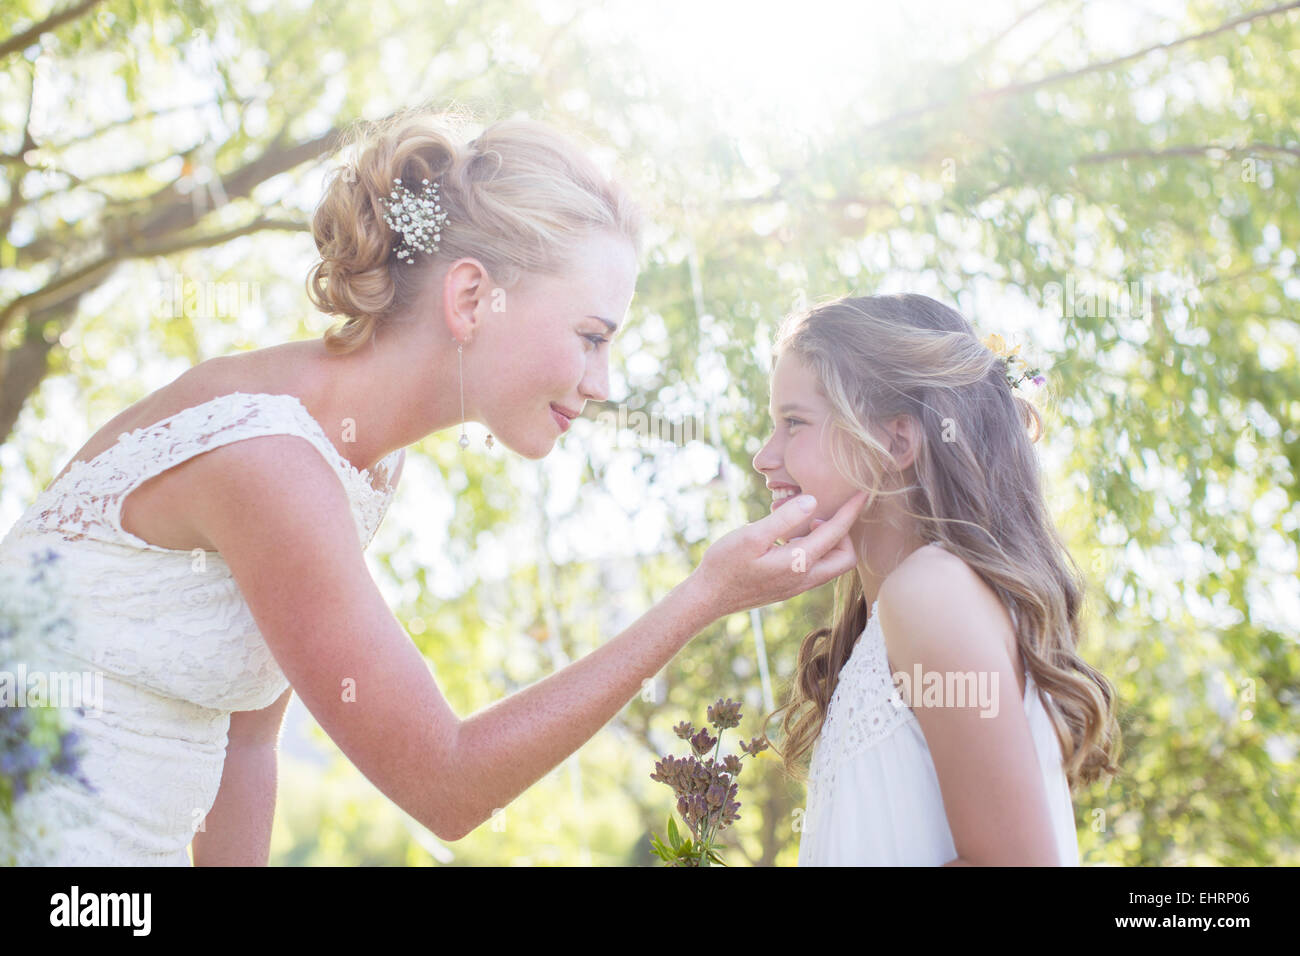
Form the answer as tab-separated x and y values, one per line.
212	534
947	709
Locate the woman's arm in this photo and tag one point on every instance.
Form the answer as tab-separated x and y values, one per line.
281	520
237	829
504	749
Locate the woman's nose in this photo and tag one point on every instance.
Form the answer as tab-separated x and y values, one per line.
595	385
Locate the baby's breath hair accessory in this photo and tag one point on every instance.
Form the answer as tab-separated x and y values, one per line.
1018	369
418	217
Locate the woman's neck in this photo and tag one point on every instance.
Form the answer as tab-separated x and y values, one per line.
387	394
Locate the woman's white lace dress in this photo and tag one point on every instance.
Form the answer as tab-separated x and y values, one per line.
168	630
873	793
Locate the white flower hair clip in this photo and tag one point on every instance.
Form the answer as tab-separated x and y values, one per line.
418	218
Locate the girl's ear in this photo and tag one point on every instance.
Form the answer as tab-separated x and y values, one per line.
904	440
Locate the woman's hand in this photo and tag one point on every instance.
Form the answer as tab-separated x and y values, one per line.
746	568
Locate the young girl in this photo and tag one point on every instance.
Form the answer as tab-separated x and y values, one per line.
949	711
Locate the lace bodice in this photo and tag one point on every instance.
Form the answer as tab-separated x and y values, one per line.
865	708
86	501
166	631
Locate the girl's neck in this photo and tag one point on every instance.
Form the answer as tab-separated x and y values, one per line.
881	547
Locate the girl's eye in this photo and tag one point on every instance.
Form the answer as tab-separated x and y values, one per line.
793	421
596	340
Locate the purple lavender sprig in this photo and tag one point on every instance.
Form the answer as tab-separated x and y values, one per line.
706	788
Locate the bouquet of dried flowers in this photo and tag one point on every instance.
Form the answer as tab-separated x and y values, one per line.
706	789
35	744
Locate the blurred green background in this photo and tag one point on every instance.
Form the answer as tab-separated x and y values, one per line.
1111	185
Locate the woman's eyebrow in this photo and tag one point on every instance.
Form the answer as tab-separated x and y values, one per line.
612	326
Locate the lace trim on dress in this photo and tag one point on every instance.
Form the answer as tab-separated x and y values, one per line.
86	501
865	708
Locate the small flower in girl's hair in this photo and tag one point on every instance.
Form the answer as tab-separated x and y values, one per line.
684	730
703	742
996	344
725	714
1017	369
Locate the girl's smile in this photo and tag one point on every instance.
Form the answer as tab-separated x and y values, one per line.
796	459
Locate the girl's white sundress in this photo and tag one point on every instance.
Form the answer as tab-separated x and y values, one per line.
167	631
873	793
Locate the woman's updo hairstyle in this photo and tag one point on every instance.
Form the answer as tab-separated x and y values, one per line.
518	198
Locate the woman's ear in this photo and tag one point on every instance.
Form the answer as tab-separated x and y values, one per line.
465	284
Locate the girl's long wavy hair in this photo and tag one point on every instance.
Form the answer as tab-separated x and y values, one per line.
977	492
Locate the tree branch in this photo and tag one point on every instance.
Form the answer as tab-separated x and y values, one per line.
988	45
16	198
79	281
1015	89
182	244
1092	158
240	101
23	368
179	213
20	41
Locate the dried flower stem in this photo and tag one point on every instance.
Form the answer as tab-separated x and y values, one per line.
704	847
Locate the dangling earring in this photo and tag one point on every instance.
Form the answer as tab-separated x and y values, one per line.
464	439
460	351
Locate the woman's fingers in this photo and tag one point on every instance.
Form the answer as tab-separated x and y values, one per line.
826	534
829	546
826	551
746	569
838	560
781	522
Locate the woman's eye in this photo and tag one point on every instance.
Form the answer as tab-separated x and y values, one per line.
596	340
793	421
